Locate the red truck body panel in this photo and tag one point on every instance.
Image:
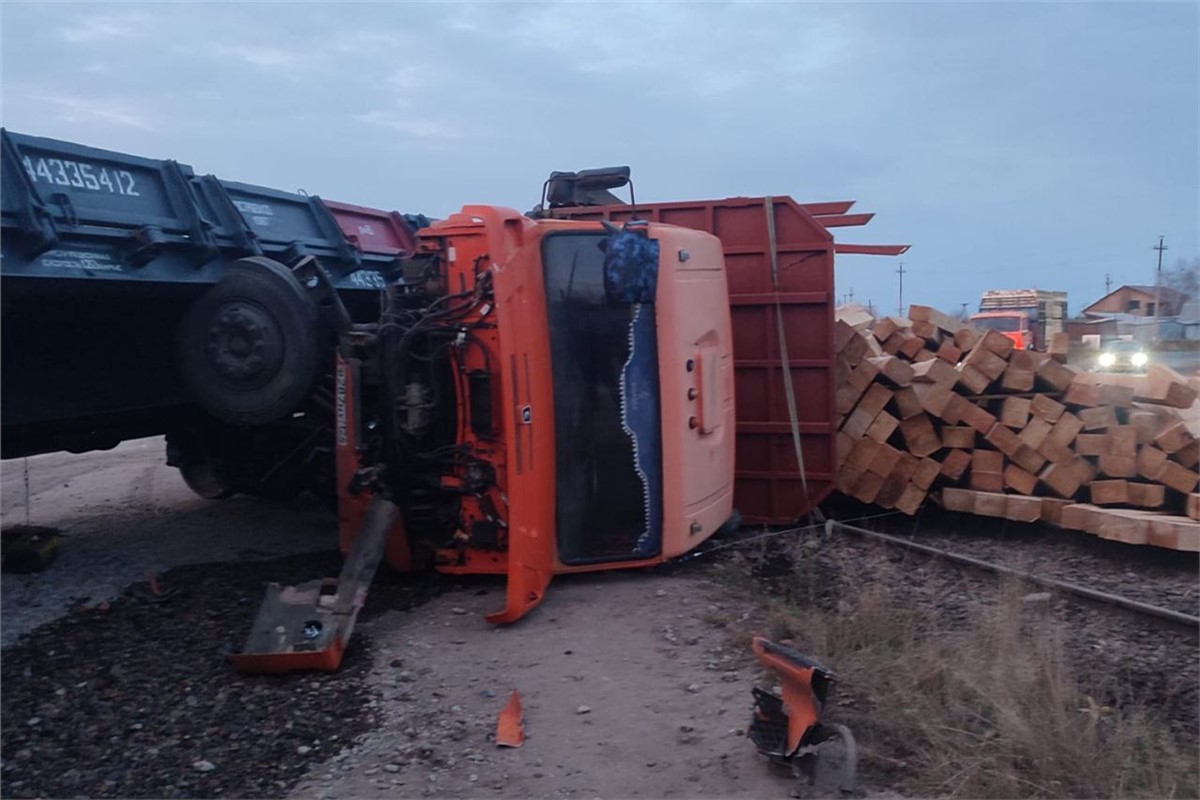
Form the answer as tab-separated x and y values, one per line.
372	230
771	487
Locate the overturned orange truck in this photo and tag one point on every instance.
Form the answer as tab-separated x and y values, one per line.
591	386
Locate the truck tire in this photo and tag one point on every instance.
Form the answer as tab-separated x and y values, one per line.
202	479
249	347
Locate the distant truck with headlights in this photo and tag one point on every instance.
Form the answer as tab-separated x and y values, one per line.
1122	355
1030	317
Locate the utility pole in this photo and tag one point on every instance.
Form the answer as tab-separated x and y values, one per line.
1107	284
851	294
1158	286
900	308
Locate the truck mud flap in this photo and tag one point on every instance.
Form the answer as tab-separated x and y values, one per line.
308	626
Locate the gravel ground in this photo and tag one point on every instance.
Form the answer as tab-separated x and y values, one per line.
106	694
137	699
122	515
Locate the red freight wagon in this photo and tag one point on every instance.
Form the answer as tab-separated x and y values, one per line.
372	230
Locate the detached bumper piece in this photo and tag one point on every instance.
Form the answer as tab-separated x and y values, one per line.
307	627
789	728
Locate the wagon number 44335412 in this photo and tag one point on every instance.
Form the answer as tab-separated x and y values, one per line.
81	175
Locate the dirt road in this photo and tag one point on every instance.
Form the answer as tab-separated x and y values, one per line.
628	689
627	692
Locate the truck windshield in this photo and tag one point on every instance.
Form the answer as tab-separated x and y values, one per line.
1003	324
607	436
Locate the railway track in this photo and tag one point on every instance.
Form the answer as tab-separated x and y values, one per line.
1189	621
1144	581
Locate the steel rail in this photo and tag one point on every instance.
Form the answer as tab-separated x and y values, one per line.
1177	617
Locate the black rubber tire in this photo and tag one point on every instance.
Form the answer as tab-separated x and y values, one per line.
249	347
202	479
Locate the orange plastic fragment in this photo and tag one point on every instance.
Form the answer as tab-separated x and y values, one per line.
509	730
796	674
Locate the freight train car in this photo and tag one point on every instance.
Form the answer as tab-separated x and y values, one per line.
142	298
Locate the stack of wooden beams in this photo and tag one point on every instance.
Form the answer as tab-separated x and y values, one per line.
927	404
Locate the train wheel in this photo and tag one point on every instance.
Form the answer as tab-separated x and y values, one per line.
249	346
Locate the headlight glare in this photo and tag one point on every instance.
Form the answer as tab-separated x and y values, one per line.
1139	359
1107	359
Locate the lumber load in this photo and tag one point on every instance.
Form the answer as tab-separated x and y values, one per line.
992	504
929	408
1160	385
1134	526
854	316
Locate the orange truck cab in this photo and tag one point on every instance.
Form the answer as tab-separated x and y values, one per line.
542	397
555	393
1013	324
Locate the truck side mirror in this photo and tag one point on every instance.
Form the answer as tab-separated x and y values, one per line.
630	265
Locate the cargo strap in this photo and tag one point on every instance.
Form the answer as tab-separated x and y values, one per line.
814	513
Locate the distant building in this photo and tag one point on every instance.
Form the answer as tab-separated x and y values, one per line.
1189	320
1104	327
1138	301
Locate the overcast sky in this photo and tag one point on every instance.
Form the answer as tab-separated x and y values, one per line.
1011	145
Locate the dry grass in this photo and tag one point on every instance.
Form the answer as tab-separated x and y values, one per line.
981	708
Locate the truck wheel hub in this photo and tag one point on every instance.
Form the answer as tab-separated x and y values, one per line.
242	342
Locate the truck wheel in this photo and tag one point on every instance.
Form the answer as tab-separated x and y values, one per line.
202	479
249	346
